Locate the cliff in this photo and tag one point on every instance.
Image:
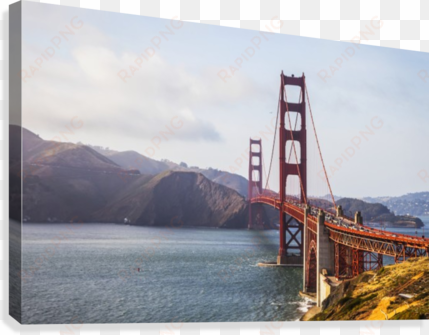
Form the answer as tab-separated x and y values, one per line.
395	292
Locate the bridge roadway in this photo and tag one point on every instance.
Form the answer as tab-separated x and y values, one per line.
346	231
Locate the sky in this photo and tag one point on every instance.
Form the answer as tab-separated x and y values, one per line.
371	114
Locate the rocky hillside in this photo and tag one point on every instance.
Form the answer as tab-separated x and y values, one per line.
395	292
174	196
61	194
377	213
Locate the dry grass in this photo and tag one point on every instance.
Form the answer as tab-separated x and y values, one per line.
375	295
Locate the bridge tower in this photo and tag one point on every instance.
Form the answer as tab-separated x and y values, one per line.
255	174
292	232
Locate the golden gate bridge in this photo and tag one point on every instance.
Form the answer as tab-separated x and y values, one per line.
322	240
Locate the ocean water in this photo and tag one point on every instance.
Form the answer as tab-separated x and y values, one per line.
90	273
409	231
100	273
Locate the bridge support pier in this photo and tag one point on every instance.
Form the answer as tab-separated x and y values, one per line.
305	250
325	254
372	261
358	265
291	241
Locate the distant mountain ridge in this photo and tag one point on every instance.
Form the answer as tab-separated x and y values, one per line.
415	204
66	182
146	165
408	204
378	213
39	152
133	160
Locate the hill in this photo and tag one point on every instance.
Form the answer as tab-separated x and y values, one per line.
377	213
62	181
368	211
409	204
231	180
66	181
322	203
62	194
395	292
135	161
188	197
39	152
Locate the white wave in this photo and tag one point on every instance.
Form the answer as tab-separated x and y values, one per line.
303	305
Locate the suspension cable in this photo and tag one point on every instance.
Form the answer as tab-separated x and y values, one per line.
264	171
256	186
318	145
275	136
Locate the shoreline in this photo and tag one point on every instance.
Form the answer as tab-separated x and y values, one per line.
142	226
310	313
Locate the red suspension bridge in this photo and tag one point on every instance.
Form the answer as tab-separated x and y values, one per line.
319	239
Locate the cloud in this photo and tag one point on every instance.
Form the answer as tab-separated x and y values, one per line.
88	86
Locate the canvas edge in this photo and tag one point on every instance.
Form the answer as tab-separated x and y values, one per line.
15	119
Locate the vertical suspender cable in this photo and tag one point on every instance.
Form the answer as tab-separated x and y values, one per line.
274	140
318	146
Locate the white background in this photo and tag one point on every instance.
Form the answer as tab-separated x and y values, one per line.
405	26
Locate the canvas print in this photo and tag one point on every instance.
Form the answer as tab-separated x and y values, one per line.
167	171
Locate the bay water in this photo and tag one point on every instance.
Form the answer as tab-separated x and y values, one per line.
107	273
100	273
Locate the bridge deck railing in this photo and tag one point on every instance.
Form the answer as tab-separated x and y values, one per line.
345	224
